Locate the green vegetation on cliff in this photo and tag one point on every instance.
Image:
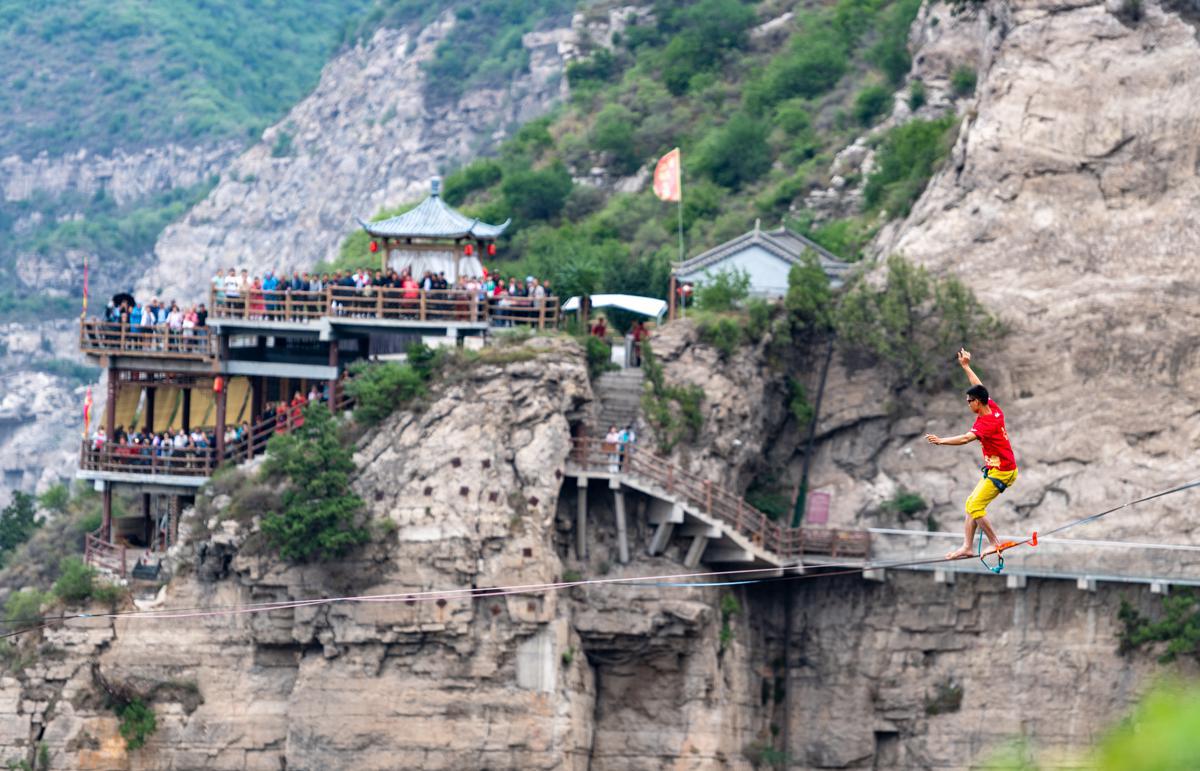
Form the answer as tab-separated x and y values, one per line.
758	115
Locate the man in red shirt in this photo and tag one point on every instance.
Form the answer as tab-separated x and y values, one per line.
999	463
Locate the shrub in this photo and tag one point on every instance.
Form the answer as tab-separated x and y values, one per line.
17	523
24	608
537	195
137	723
722	332
905	504
283	145
723	291
613	133
673	410
56	498
846	238
735	154
904	163
380	388
871	103
809	301
1178	627
962	81
598	68
890	54
78	582
798	403
912	323
479	175
810	69
946	698
599	356
916	95
319	512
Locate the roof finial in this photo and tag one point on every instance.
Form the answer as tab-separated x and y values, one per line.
757	225
435	186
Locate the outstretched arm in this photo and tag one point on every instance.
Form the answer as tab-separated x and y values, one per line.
966	438
964	360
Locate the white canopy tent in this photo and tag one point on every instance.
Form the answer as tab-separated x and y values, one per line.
646	306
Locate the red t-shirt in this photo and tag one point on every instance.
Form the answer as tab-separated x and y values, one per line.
997	451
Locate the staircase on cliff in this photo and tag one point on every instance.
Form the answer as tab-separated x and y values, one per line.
620	396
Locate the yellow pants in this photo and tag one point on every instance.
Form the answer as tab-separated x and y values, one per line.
985	492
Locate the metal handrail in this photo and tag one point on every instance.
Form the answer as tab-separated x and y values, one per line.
596	455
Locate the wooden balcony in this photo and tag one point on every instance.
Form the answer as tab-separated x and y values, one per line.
105	338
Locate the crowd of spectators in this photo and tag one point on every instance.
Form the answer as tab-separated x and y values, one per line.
151	314
278	296
179	447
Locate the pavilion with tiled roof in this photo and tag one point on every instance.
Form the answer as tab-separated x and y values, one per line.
434	237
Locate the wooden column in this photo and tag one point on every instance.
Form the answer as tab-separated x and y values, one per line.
256	398
333	382
110	406
106	522
149	422
220	428
187	410
671	299
147	520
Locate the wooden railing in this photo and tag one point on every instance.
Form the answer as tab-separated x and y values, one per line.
98	552
100	337
189	461
702	495
436	305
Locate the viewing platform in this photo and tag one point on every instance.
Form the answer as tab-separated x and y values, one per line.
333	313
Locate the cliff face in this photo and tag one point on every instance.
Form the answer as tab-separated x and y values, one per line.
466	493
365	138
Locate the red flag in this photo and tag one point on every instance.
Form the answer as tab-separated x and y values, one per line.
87	411
667	185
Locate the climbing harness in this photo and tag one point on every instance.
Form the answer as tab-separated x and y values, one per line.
1000	486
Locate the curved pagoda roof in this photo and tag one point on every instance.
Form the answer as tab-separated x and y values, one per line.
432	218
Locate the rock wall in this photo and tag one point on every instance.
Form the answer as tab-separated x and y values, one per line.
364	139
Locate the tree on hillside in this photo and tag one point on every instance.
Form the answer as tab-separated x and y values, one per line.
17	523
319	513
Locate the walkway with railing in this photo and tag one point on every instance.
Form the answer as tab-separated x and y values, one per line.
105	337
593	457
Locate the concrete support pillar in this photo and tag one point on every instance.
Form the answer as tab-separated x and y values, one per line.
943	576
1160	587
1085	584
661	538
622	534
695	551
1013	581
875	574
581	518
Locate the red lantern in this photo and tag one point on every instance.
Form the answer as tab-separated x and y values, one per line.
374	246
491	250
468	250
218	384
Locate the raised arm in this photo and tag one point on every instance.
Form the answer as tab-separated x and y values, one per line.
966	438
964	360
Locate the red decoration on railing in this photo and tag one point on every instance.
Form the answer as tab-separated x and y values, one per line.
374	247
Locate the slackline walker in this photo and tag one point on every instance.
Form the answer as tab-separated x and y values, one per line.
677	580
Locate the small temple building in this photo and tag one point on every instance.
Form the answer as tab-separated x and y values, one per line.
434	237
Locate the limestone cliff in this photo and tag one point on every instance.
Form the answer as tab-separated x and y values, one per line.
365	138
464	492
